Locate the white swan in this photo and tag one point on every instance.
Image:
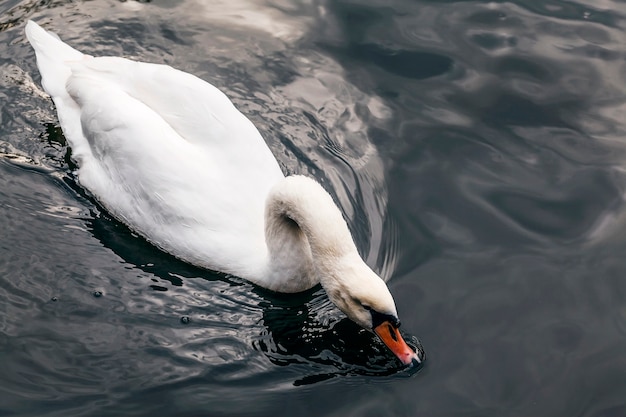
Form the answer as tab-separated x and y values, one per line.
170	156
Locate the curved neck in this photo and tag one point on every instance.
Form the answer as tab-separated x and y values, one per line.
305	233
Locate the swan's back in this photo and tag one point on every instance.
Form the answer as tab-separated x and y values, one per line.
165	152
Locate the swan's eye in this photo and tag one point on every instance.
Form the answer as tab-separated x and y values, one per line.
380	318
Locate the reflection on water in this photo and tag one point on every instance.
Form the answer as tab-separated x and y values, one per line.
293	329
476	148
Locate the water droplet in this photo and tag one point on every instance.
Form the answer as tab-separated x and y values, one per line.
54	299
97	294
185	319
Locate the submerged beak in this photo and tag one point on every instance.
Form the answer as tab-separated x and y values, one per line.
390	335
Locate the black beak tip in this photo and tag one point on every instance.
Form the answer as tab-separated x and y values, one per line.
416	345
420	356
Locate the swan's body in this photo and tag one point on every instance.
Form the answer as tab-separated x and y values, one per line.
170	156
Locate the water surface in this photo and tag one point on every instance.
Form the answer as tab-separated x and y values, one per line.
476	149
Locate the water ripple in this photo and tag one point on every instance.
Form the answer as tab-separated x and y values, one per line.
475	147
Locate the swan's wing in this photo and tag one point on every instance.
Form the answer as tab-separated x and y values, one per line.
202	199
170	190
193	108
164	151
196	110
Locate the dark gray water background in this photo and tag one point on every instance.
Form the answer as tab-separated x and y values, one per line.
478	150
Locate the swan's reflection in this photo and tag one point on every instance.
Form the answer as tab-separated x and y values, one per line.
307	329
296	329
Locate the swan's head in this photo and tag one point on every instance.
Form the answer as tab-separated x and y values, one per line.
364	297
300	203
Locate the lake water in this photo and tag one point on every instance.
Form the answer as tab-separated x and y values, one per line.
477	149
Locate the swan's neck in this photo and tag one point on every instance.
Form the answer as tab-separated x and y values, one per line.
305	233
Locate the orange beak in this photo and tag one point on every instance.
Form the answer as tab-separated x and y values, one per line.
391	337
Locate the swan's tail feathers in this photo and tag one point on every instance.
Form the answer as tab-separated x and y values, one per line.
52	57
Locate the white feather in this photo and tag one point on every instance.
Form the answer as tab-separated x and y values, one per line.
170	156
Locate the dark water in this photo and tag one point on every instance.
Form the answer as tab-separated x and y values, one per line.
478	150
